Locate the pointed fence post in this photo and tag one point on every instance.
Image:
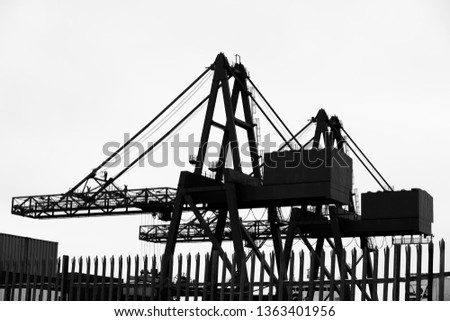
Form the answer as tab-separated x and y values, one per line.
197	276
87	285
291	276
397	264
430	271
188	278
419	273
206	277
301	275
72	277
408	273
103	285
375	276
155	282
261	278
322	275
214	276
311	285
179	276
252	277
119	282
136	278
95	274
272	268
364	275
242	279
79	281
441	270
353	276
386	274
332	275
111	279
343	296
144	278
223	280
170	281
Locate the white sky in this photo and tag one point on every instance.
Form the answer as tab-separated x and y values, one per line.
77	74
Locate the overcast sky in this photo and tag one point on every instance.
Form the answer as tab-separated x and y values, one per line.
77	74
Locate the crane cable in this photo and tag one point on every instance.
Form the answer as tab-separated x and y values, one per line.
368	160
274	112
176	109
172	112
170	133
297	135
173	131
148	150
259	106
359	158
94	171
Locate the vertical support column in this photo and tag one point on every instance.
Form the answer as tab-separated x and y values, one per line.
370	266
319	252
226	139
212	278
220	74
236	233
253	148
282	257
231	126
274	221
339	252
220	227
172	238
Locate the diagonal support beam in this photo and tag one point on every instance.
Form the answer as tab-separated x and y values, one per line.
274	221
349	269
208	232
235	224
258	253
316	256
339	250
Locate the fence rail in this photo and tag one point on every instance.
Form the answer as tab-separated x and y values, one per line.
397	273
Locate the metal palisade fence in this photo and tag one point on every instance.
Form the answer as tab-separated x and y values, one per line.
401	272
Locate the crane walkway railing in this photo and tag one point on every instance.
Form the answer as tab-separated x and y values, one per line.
109	202
194	232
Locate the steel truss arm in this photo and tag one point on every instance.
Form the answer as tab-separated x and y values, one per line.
193	232
109	202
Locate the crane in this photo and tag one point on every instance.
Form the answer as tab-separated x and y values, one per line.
313	179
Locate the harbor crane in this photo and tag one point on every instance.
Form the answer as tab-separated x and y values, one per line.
314	180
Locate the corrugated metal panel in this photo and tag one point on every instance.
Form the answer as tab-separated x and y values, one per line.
27	252
322	172
308	166
415	203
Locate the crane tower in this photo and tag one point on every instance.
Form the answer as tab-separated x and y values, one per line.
313	180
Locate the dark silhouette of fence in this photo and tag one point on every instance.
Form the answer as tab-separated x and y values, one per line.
399	273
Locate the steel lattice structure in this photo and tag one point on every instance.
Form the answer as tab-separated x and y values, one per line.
319	194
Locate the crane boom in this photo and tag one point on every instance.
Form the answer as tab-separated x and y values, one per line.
158	201
193	232
98	195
